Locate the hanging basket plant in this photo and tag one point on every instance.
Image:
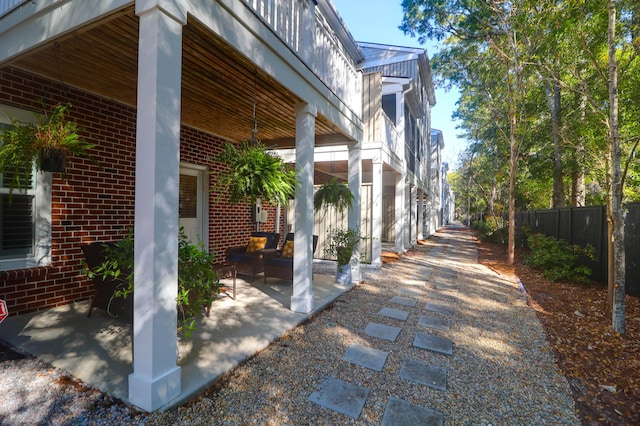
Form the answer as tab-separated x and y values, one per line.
333	194
253	172
48	141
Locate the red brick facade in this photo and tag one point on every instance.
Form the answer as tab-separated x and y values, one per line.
95	201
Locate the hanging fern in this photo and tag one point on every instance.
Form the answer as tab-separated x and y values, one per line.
333	194
253	172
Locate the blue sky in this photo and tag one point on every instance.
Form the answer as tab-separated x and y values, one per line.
377	21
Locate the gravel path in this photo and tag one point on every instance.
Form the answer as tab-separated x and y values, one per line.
501	370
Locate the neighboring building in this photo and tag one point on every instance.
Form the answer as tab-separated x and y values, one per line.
436	176
158	86
399	180
448	197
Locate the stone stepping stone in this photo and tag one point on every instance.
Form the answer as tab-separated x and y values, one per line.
425	374
402	413
409	291
407	301
446	288
365	357
413	282
437	307
382	331
433	343
446	297
434	322
398	314
340	396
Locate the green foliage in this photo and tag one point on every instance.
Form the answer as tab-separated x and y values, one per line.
558	260
253	172
25	142
198	283
492	230
341	243
333	194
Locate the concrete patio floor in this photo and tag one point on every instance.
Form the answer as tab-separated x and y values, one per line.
97	350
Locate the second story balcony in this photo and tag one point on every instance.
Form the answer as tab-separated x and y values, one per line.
286	51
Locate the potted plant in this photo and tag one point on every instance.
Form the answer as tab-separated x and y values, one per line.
341	244
47	141
198	282
252	172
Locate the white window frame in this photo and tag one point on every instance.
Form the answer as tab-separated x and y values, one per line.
41	248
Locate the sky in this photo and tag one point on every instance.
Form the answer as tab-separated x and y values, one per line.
377	21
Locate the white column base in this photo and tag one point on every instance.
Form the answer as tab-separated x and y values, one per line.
151	395
302	304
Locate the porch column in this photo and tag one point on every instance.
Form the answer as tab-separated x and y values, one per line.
302	295
413	223
407	217
420	214
156	377
399	211
353	216
376	212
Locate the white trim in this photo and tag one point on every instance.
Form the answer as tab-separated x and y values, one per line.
41	249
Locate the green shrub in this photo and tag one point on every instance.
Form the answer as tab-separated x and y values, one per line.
198	283
489	231
558	260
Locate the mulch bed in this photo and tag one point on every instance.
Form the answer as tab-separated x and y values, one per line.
602	367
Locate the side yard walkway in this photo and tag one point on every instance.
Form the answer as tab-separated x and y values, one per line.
433	338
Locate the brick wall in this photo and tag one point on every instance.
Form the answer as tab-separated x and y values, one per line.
95	202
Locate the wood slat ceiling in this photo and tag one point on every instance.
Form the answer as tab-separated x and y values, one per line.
217	81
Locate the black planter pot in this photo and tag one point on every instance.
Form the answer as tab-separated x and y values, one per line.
53	160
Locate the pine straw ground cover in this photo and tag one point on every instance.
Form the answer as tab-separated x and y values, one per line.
603	368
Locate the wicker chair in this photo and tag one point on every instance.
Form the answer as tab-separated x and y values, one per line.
104	288
251	264
276	266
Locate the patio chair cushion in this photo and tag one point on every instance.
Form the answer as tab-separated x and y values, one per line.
287	250
256	243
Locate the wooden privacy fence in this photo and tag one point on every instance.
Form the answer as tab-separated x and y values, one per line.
588	225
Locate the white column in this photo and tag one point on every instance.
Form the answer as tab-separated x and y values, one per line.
156	377
407	217
302	295
376	213
353	217
420	214
399	211
413	223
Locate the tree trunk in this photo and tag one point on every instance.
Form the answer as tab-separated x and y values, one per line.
617	215
553	102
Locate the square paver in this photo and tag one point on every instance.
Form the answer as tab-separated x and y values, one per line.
434	322
382	331
413	282
409	291
366	357
406	301
447	297
402	413
447	288
433	343
340	396
440	308
398	314
425	374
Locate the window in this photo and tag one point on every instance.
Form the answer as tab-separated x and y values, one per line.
25	216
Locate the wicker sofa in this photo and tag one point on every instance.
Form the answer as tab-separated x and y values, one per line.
277	266
251	264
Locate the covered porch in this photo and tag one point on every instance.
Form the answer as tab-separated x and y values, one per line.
175	75
98	350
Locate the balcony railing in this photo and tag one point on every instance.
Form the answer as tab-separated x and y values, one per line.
7	6
391	137
311	37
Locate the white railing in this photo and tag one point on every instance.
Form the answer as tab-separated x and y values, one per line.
392	138
315	42
7	6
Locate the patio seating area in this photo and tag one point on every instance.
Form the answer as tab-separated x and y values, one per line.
97	350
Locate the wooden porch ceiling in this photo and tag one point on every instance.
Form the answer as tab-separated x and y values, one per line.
217	81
